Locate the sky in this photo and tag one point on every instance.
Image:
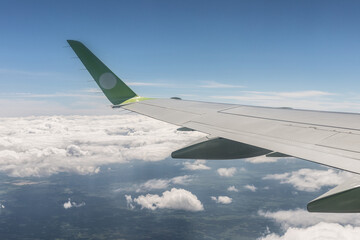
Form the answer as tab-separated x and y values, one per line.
71	167
274	53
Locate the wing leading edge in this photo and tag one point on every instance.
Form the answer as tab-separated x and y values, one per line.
238	131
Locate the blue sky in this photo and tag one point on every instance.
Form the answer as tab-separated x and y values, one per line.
295	53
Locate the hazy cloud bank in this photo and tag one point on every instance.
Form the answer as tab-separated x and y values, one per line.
42	146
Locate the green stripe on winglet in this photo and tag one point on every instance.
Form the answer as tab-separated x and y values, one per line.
113	87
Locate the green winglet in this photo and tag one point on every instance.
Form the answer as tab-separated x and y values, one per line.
113	87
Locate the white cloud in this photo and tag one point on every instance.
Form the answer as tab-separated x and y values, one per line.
42	146
196	165
232	189
310	180
226	172
70	204
305	219
313	225
178	199
320	231
154	184
182	180
129	201
251	188
261	159
222	199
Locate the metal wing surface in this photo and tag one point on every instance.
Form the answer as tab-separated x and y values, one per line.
328	138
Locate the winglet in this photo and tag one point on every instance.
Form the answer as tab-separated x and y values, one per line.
113	87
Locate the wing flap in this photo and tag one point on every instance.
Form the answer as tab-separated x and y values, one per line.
344	198
215	148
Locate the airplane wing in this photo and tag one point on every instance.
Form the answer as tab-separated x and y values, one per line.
239	131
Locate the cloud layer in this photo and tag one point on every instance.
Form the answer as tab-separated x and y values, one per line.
42	146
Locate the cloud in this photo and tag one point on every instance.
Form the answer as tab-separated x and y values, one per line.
251	188
43	146
178	199
261	159
196	165
310	180
305	219
129	201
318	232
232	189
222	199
313	225
213	84
226	172
154	184
70	204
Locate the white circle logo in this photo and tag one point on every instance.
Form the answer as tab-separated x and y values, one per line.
107	80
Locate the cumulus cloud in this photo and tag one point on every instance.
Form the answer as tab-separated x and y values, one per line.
42	146
70	204
232	189
251	188
196	165
313	225
318	232
222	199
226	172
178	199
310	180
305	219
